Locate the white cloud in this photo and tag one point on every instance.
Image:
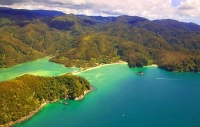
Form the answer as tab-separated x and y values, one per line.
151	9
189	8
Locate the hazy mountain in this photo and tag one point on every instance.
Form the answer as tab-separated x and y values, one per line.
30	13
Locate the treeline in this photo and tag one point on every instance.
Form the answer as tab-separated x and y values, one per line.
178	63
22	95
90	50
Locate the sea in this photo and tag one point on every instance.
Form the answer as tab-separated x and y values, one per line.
119	98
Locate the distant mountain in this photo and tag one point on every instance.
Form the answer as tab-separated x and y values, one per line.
181	25
86	41
30	13
48	12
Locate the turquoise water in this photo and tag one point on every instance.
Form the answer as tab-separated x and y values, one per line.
120	97
41	67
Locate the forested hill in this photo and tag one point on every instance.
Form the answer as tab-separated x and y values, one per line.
23	95
85	41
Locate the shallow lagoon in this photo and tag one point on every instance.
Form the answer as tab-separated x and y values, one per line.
41	67
120	97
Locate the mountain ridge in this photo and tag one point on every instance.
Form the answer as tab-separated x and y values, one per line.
86	41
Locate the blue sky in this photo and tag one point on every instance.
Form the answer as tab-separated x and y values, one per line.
182	10
175	3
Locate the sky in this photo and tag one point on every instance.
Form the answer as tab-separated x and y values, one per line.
182	10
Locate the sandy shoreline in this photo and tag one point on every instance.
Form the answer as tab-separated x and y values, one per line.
152	65
91	68
122	62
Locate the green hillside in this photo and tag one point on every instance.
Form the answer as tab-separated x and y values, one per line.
84	41
25	94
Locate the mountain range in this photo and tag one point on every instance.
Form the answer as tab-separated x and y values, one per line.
87	41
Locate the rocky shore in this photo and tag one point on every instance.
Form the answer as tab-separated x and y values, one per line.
25	117
82	96
37	110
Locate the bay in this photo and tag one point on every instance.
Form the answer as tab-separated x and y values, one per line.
120	97
40	67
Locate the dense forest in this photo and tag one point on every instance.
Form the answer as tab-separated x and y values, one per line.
86	41
22	95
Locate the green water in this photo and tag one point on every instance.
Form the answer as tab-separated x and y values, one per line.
120	97
41	67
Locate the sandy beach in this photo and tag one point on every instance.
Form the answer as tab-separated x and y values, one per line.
121	62
152	65
91	68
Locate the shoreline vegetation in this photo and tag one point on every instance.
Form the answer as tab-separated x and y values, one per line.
91	40
44	104
47	102
24	96
102	65
25	118
98	66
151	65
76	99
83	95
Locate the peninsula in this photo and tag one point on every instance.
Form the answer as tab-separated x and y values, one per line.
23	96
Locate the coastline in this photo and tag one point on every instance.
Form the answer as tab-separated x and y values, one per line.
84	94
78	98
19	64
25	117
152	65
39	108
98	66
101	65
